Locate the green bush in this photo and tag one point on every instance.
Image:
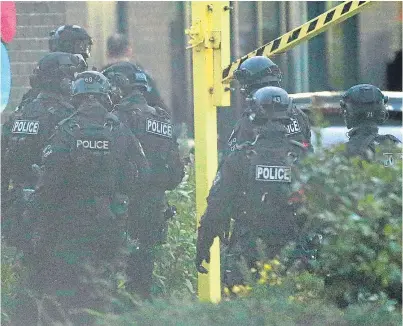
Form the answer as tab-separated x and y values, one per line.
274	309
357	207
174	271
11	275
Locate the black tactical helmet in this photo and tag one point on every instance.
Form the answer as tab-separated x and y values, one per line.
257	72
71	39
91	82
362	103
92	85
126	77
270	103
56	71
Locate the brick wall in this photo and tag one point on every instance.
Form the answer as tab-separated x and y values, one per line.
34	22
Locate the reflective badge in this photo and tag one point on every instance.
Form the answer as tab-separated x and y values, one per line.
390	158
293	127
93	144
28	127
273	173
47	151
159	128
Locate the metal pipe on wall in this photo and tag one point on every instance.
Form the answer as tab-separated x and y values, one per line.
187	22
297	15
235	52
260	24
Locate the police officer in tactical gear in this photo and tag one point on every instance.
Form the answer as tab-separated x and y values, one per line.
80	202
71	39
152	126
363	109
66	38
253	74
120	51
255	182
28	130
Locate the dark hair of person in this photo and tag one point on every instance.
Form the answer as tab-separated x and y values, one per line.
117	45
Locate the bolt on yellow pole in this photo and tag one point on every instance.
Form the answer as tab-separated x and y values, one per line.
210	44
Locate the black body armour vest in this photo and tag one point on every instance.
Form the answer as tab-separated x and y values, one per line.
94	151
29	132
298	129
364	141
153	128
268	185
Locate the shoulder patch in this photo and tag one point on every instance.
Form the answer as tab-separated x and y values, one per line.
273	173
28	127
293	127
47	151
159	128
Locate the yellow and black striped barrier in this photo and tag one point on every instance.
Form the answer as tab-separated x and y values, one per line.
302	33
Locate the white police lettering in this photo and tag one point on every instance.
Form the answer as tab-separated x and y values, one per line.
93	144
293	127
159	128
273	173
28	127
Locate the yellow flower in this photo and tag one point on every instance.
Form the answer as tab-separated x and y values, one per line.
262	281
267	267
236	289
275	262
226	291
263	274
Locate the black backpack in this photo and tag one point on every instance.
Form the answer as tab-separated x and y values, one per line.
268	185
93	152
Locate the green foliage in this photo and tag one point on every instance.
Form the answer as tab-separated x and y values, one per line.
357	206
275	308
174	272
11	275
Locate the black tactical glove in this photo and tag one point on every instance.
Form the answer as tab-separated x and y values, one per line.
170	212
204	243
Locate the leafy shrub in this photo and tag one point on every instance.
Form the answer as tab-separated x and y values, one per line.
174	271
273	309
357	207
11	275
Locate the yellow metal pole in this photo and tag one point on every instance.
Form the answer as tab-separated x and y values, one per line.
206	40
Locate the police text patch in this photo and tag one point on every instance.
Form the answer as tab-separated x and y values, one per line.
159	128
28	127
273	173
293	127
93	144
